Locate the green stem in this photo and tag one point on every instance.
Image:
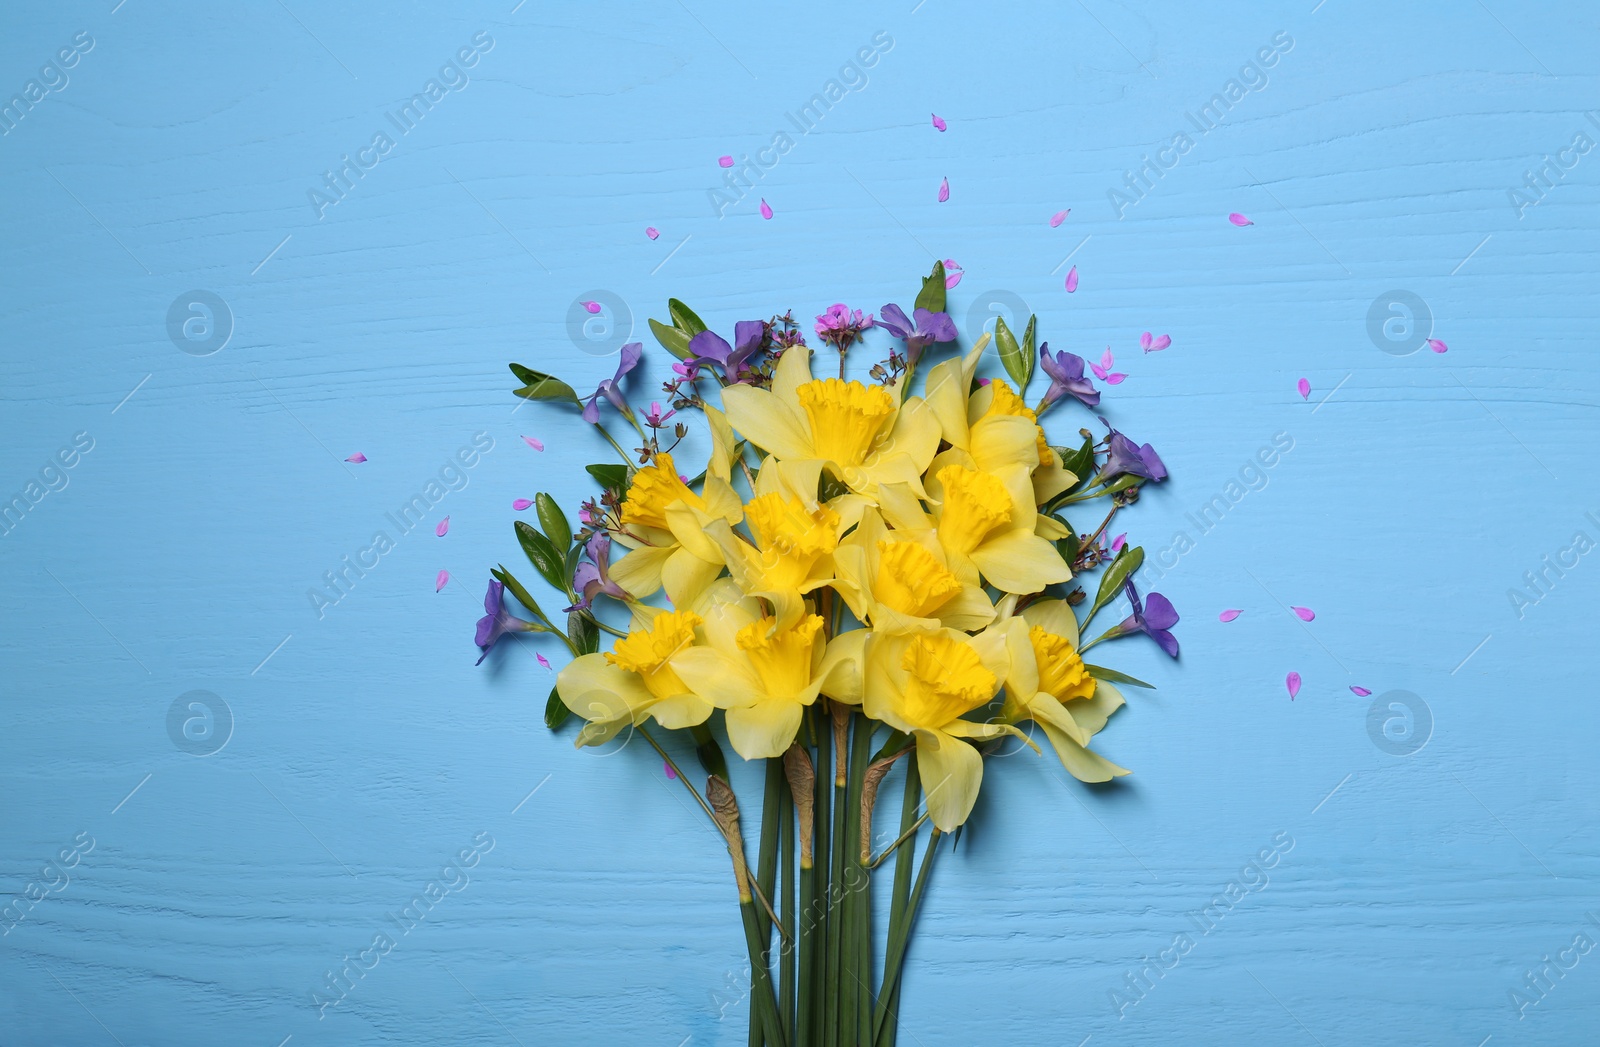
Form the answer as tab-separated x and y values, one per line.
889	994
838	921
626	457
900	936
767	853
822	970
861	896
905	835
763	1007
788	863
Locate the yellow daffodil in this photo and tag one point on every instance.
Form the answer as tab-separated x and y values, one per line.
924	684
902	580
1049	685
991	428
793	542
863	433
664	525
762	671
985	523
635	681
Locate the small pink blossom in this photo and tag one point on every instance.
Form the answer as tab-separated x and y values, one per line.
938	122
357	458
441	581
1292	681
1438	346
1229	615
1102	370
1359	692
543	661
651	231
443	528
724	161
766	209
1154	345
1072	279
1240	220
1304	385
536	444
593	307
1305	614
944	190
1059	217
521	504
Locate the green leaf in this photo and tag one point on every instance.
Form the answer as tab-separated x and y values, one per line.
1079	463
555	711
672	340
1100	672
1127	562
931	297
542	555
1030	349
584	634
614	477
505	578
1072	544
709	751
574	554
554	522
536	385
1011	357
895	743
684	318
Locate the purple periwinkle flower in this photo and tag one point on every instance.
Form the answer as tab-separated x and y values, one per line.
611	388
1126	458
592	577
498	621
928	328
710	347
1155	618
1066	378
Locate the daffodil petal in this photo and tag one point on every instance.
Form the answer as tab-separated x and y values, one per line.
639	572
1048	711
967	610
1003	440
792	371
685	576
1082	764
766	729
1020	562
952	772
901	508
725	682
1092	713
722	443
680	711
766	421
841	670
1053	616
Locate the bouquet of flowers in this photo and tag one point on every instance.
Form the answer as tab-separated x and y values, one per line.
859	576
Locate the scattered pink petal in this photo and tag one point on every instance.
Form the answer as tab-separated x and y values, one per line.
1116	378
441	581
1304	385
1102	370
766	208
651	231
358	458
665	766
1238	219
1072	279
1359	692
1059	217
521	504
1305	614
543	661
983	381
593	307
1119	541
1293	683
443	528
938	122
944	190
953	273
536	444
1438	346
1229	615
724	161
1154	345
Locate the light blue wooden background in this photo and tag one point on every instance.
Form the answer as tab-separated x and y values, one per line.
367	750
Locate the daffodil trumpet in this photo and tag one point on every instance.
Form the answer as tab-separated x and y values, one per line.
867	586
